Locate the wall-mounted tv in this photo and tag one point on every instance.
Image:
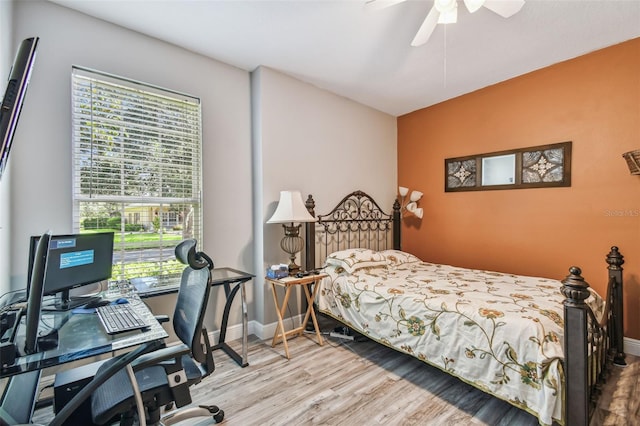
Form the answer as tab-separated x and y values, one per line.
14	96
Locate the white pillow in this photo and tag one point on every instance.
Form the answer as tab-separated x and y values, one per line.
353	259
397	257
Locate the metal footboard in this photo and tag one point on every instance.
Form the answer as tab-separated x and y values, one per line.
591	344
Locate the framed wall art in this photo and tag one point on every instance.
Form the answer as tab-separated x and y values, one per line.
532	167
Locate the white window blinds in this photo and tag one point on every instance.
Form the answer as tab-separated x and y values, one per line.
136	170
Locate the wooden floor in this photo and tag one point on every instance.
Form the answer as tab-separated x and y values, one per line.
363	383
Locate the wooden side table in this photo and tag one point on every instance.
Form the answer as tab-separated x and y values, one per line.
289	283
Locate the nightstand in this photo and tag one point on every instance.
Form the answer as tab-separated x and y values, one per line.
289	283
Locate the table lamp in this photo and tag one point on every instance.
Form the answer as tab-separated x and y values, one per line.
290	212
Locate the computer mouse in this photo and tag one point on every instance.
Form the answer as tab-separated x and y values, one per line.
120	301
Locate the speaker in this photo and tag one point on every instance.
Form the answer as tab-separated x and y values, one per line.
67	384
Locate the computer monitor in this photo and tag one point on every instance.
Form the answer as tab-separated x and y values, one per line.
35	293
76	260
14	96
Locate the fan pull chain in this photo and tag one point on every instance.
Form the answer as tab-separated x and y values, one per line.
444	66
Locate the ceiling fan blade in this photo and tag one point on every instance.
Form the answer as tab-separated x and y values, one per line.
473	5
381	4
427	27
504	8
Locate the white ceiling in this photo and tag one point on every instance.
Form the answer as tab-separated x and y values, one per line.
365	54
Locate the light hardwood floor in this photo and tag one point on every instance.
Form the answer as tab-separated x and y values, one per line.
364	383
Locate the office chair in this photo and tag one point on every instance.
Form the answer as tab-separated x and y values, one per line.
164	376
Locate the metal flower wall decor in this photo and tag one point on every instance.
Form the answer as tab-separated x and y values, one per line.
543	166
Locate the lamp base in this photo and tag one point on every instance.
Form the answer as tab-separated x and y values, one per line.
292	244
293	268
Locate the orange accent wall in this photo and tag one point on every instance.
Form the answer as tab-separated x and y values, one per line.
593	101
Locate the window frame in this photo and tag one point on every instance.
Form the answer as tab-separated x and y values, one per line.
167	270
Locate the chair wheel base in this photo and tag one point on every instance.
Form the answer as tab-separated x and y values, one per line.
218	414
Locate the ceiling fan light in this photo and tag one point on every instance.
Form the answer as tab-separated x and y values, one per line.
473	5
449	17
444	6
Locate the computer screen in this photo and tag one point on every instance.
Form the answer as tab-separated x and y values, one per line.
76	260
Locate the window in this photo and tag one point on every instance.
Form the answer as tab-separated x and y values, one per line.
136	171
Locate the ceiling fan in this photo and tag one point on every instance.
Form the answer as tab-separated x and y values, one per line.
446	12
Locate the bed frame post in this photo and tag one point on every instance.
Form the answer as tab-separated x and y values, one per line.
576	386
310	241
615	261
396	225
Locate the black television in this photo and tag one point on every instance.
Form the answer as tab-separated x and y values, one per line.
35	293
74	260
14	96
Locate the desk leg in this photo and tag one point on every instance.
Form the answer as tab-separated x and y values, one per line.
245	325
311	312
280	311
241	360
225	315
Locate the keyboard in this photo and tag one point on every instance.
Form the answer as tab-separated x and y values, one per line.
120	318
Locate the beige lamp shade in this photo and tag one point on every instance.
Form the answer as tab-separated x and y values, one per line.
413	208
415	196
291	209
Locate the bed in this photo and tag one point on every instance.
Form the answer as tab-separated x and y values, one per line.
504	334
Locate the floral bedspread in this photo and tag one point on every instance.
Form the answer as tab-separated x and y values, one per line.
501	333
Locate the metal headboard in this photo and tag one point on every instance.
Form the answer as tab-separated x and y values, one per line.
356	222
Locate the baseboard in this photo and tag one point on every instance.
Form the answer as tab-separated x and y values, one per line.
262	331
266	331
631	346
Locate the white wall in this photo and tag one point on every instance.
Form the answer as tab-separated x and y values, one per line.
7	51
41	160
302	138
321	144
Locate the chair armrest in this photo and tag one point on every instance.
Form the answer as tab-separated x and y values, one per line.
171	360
165	354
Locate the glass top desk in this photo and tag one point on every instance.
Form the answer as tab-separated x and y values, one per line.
80	335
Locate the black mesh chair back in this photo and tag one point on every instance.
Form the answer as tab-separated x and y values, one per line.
189	312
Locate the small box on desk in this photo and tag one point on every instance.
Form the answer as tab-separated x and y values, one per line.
276	272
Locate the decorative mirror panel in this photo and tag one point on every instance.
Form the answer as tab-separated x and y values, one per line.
533	167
